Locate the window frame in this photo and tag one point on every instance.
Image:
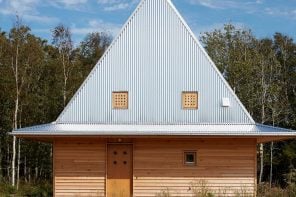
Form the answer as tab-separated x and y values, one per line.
190	164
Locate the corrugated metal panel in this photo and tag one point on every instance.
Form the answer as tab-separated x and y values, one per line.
154	58
138	130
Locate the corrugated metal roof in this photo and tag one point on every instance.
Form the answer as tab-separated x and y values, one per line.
140	130
155	57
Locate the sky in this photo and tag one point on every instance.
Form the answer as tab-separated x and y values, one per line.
264	17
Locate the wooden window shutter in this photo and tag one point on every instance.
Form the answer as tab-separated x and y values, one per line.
190	100
120	100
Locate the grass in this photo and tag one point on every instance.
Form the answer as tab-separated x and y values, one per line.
265	191
201	189
26	190
197	189
164	193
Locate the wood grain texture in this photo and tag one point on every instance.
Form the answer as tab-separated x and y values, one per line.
225	166
79	167
119	170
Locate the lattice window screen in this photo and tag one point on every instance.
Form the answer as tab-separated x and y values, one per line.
120	100
190	100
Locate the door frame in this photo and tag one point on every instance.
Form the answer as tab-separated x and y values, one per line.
132	163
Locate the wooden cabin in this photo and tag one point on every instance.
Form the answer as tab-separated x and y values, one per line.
154	116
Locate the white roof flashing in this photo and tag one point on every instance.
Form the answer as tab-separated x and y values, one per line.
140	130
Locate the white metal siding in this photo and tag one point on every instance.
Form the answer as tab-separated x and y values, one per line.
154	58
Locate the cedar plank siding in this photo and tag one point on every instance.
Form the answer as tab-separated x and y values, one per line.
79	168
225	165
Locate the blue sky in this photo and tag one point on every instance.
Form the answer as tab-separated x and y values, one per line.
264	17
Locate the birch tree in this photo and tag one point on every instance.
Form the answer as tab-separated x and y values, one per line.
62	40
16	37
268	73
22	57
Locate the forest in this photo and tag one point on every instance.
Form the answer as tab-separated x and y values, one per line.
38	77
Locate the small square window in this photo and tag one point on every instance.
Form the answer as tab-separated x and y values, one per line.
190	100
120	100
190	158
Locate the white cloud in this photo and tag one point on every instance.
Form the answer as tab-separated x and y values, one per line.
291	13
227	4
113	5
119	6
40	19
26	9
69	4
248	6
96	26
19	6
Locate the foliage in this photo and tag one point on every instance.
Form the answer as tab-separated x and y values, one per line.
265	191
261	71
42	91
43	189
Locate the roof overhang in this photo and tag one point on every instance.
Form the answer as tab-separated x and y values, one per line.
262	133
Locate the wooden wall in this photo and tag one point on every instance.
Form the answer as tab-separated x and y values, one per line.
225	166
79	167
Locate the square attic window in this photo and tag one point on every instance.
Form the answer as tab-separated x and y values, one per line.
120	100
190	100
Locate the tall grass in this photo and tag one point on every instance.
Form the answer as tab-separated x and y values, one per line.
26	190
164	193
201	189
265	191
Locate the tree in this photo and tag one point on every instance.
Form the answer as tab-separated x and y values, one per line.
91	50
262	73
16	38
26	54
62	40
285	50
4	120
234	52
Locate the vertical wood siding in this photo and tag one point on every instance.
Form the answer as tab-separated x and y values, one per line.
79	168
225	166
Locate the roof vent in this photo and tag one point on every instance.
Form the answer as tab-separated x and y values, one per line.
120	100
190	100
225	102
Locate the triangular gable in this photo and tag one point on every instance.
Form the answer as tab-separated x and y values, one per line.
155	58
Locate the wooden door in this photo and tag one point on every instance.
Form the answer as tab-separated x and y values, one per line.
119	170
